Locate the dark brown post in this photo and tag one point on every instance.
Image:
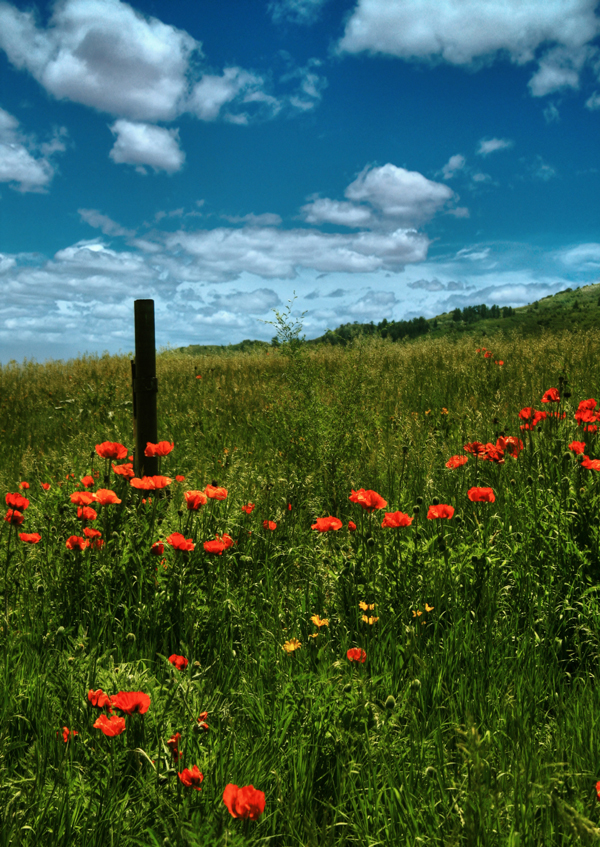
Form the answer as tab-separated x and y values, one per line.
145	388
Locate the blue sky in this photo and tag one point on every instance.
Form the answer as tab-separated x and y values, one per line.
379	158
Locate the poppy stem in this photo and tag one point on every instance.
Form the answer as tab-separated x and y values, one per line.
8	552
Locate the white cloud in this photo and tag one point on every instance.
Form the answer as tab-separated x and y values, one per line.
584	255
143	144
104	54
20	166
266	219
454	164
462	32
551	113
594	101
339	212
296	11
212	92
491	145
102	222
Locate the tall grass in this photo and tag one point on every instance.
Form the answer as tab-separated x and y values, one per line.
473	719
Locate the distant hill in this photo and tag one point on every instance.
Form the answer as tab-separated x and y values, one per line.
577	308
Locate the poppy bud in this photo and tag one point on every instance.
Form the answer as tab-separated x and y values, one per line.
416	510
415	684
180	512
347	688
131	637
435	501
529	480
458	520
541	477
390	703
513	482
60	630
419	501
417	536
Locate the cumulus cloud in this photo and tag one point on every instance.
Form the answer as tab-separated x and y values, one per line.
491	145
24	164
463	32
386	197
144	144
212	92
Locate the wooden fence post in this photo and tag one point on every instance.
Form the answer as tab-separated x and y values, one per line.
145	388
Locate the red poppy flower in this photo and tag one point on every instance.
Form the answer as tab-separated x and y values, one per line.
493	453
201	719
68	734
106	497
457	461
180	662
158	548
163	448
179	478
110	726
509	444
476	448
591	464
598	790
326	524
270	525
551	396
17	501
45	485
98	698
368	499
130	702
191	778
585	416
499	362
245	802
87	481
481	495
356	654
213	492
441	511
83	498
124	470
525	413
587	404
150	483
111	450
76	542
173	745
195	499
14	517
30	537
351	526
219	544
395	520
248	508
577	446
487	354
91	533
87	513
178	542
23	484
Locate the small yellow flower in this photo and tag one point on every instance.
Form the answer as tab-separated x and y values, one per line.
370	620
291	645
314	635
320	621
444	410
366	607
417	613
428	411
428	608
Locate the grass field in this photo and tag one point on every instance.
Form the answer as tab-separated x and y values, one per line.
474	718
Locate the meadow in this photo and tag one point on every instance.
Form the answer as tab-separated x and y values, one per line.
429	681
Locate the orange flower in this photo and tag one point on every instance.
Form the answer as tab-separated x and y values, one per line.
320	621
83	498
17	501
246	802
191	778
98	698
130	702
270	525
68	734
180	662
110	726
76	542
105	497
201	719
481	495
30	537
248	508
368	499
591	464
173	745
370	620
441	511
395	520
150	483
292	645
163	448
111	450
87	513
124	470
87	481
356	654
326	524
45	485
221	543
14	517
457	461
178	542
195	499
366	607
215	493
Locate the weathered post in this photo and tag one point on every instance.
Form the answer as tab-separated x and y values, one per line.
145	388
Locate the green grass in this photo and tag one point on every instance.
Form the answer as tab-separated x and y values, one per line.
473	723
